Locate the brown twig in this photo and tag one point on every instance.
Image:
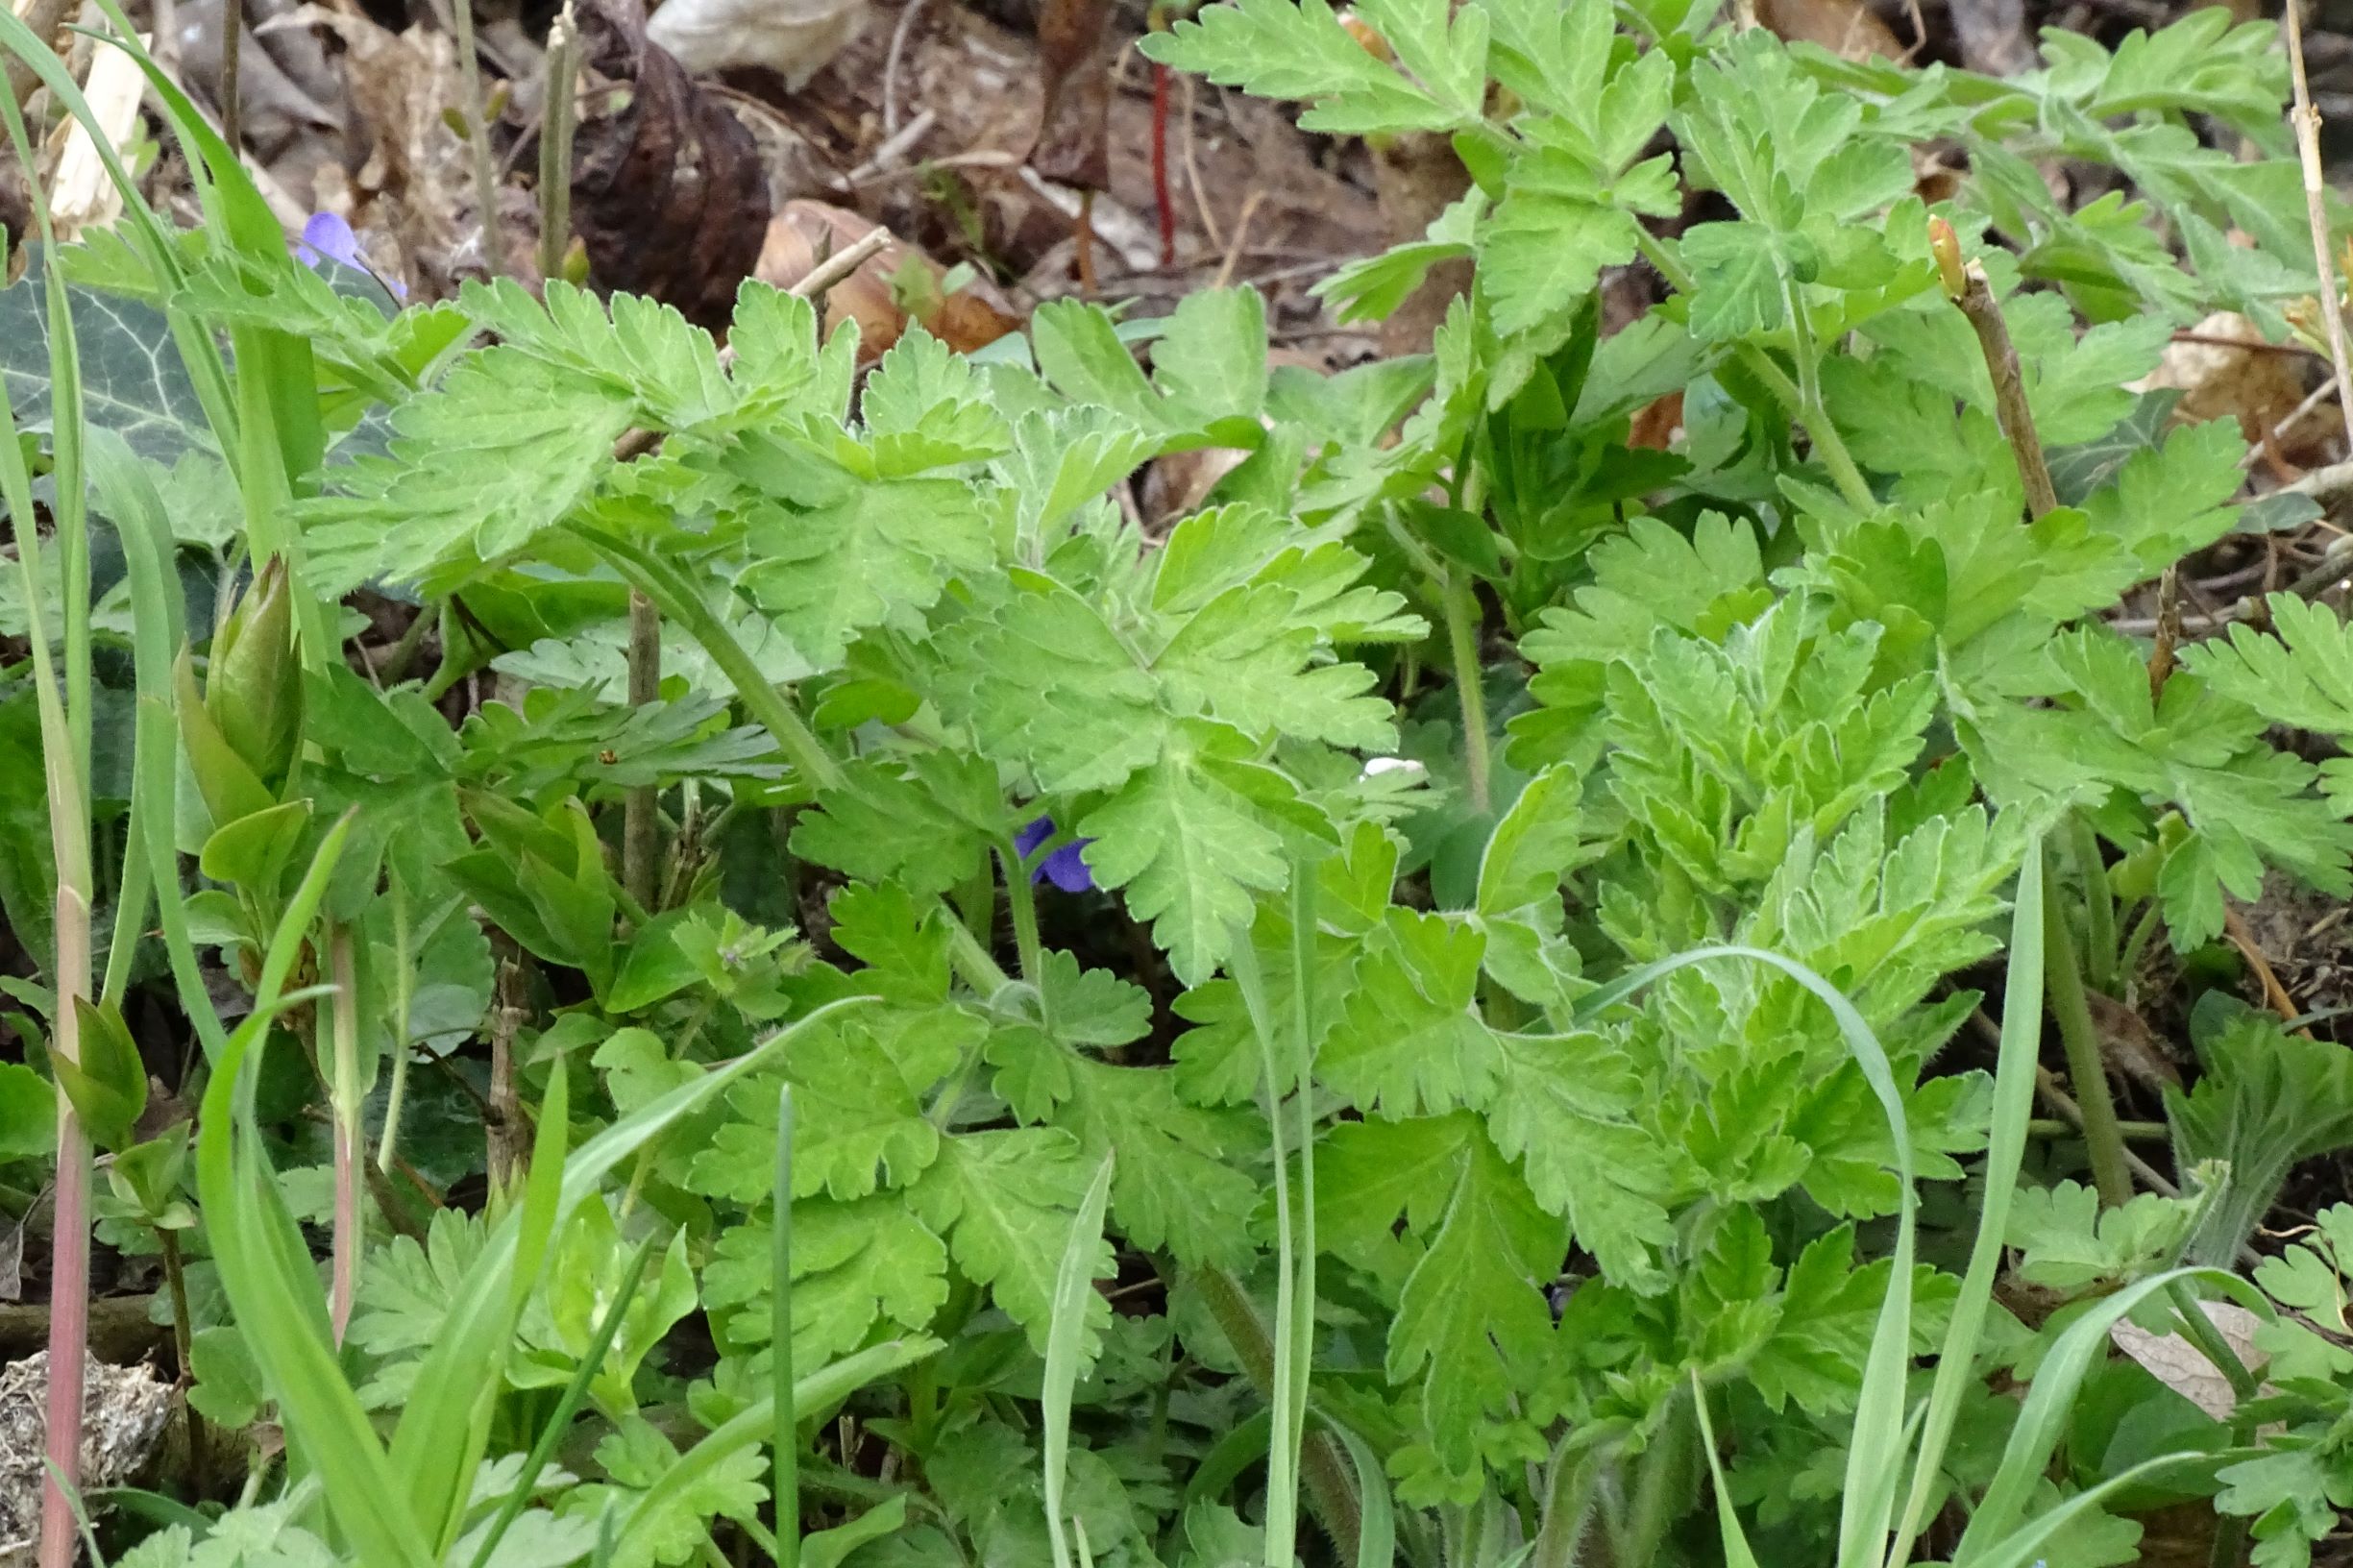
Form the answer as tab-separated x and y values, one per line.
1081	235
507	1138
1241	231
1966	286
232	49
2161	659
45	17
2276	994
1193	174
2306	121
891	61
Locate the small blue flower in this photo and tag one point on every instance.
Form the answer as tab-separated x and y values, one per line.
327	238
1065	868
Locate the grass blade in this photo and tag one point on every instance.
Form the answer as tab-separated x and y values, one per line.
2049	1402
1065	1346
826	1386
1869	1501
576	1392
785	1467
1737	1553
1377	1524
2014	1076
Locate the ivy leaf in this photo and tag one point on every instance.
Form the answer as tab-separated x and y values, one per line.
132	382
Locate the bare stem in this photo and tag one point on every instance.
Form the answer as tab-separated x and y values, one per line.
2104	1138
2306	121
1967	287
232	113
69	1279
555	149
640	823
477	133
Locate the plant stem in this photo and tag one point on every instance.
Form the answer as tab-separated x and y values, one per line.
69	1277
1022	900
1460	603
1331	1484
233	113
184	1352
1282	1528
2306	121
1829	445
641	825
404	997
1966	286
677	601
478	134
2101	955
2103	1139
975	962
555	150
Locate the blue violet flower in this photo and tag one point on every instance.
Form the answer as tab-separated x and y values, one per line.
1065	868
327	238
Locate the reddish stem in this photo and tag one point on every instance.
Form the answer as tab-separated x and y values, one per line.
1160	166
70	1276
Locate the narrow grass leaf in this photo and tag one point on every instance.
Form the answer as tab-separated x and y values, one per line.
559	1422
826	1386
1737	1553
2014	1077
1868	1502
2044	1417
1064	1347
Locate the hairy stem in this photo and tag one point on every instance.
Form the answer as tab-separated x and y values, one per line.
2104	1138
1462	624
1022	900
1332	1488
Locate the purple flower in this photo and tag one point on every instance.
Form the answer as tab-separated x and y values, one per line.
1065	868
328	237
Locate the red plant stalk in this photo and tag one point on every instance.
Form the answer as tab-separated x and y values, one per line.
70	1276
1160	166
